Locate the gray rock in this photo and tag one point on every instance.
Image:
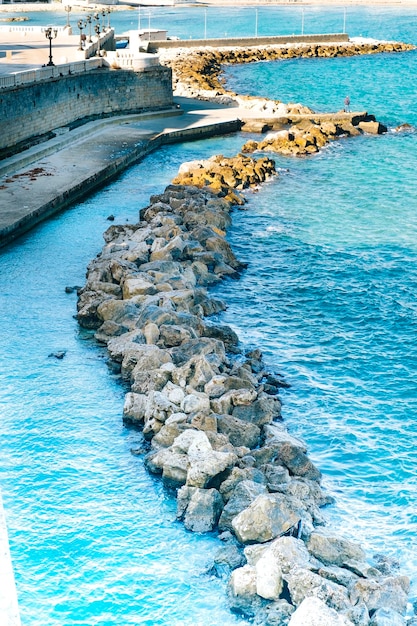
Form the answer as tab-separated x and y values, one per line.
334	550
134	409
236	475
228	558
240	433
303	583
243	495
266	518
260	412
275	614
199	508
389	593
289	552
297	461
314	612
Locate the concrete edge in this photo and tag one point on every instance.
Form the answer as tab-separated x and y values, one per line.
111	171
41	150
9	609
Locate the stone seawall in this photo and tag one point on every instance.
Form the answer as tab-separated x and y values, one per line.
247	41
36	109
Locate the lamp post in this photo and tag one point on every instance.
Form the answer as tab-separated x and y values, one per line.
108	17
68	10
302	21
256	22
205	23
97	18
88	20
97	31
103	22
51	33
81	25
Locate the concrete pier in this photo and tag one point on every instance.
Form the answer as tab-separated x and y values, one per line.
9	612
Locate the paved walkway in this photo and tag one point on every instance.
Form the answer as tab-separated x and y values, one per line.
38	182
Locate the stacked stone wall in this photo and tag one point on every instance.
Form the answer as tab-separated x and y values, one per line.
36	109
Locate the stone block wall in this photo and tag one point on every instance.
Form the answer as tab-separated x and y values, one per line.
36	109
248	41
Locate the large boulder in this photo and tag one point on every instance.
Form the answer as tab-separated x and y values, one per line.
266	518
240	433
303	583
262	411
243	495
389	593
334	550
289	552
314	612
199	508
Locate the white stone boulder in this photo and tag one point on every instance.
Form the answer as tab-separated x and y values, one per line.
303	583
269	581
334	550
314	612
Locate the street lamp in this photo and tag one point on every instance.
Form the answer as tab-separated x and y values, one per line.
103	23
88	20
68	10
97	29
97	18
108	17
51	33
81	25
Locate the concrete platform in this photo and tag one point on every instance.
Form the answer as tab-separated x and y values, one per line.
50	176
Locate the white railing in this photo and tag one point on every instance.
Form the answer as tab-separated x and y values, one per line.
28	29
46	73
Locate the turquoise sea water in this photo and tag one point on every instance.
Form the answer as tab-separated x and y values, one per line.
329	295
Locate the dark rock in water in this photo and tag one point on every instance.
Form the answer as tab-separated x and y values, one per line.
387	565
228	558
57	355
110	218
72	289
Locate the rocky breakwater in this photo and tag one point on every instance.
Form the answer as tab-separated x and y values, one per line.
198	73
309	135
211	416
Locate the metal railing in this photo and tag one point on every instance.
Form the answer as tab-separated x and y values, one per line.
46	73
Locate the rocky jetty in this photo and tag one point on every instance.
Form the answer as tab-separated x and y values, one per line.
198	73
307	137
299	130
210	413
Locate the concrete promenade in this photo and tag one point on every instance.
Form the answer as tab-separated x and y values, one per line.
9	612
50	176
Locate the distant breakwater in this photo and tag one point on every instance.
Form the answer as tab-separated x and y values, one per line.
198	72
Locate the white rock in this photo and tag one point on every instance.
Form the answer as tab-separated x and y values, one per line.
183	442
176	418
194	403
269	582
243	581
314	612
